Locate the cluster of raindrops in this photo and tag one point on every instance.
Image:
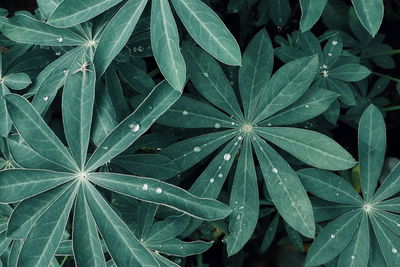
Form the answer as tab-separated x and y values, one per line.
146	187
324	71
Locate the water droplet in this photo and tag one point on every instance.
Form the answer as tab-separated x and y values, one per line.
196	149
241	207
269	124
220	175
236	202
332	236
394	250
280	183
307	106
206	74
45	98
184	113
145	187
274	170
60	39
217	125
158	190
334	42
329	54
337	194
240	138
235	144
65	72
58	53
325	66
227	156
398	225
353	257
135	127
211	180
219	167
232	123
105	147
238	217
141	239
181	247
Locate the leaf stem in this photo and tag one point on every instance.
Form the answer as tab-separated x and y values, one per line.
393	108
63	261
387	77
387	53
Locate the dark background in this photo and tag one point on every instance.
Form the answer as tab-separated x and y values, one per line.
344	134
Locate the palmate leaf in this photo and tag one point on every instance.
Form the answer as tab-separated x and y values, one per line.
36	132
207	29
311	11
72	12
371	149
117	33
47	7
17	81
24	29
120	241
165	44
243	219
155	191
5	122
159	100
370	14
77	108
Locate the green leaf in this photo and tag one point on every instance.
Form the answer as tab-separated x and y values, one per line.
270	233
165	44
166	229
47	7
285	189
5	120
26	214
114	88
27	30
177	247
77	108
287	85
329	186
371	149
310	147
370	14
332	50
159	100
326	210
210	80
392	205
123	246
145	217
349	72
52	78
188	152
188	112
279	12
117	33
311	11
36	133
390	186
333	238
313	103
155	191
356	253
18	184
343	89
207	29
243	200
72	12
258	61
391	220
388	242
42	241
17	81
86	241
148	165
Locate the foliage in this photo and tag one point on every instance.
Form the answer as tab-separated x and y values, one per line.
137	133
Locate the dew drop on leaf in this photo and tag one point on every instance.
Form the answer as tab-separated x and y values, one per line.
211	180
184	113
58	53
274	170
135	127
394	250
196	149
307	106
353	257
105	147
332	236
45	98
217	125
65	72
240	138
220	175
206	74
145	187
334	42
158	190
238	217
329	54
60	39
227	156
